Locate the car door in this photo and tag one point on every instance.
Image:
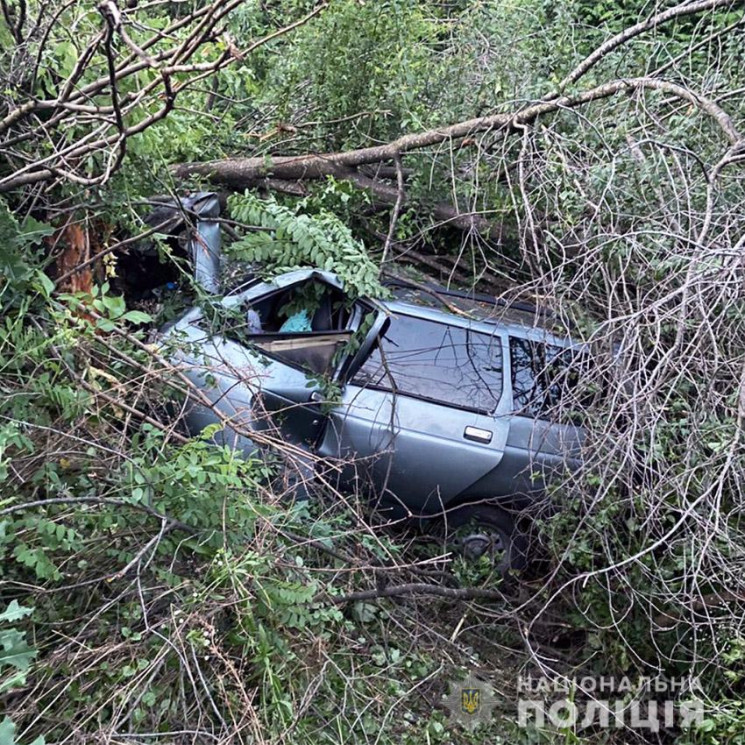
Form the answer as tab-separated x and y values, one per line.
254	389
305	370
420	419
263	379
541	445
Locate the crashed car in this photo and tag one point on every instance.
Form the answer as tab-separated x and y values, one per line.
436	405
432	414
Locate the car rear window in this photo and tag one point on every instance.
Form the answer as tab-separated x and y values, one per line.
437	362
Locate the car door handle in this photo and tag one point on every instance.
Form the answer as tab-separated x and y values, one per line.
316	397
478	435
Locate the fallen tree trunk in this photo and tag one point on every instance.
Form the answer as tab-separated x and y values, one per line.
238	173
285	172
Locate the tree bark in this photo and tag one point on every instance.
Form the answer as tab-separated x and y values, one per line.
238	173
273	171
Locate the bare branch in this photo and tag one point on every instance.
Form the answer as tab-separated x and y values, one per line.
683	9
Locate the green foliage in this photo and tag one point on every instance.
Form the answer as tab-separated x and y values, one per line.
15	659
111	308
198	484
7	734
15	653
287	239
172	588
181	553
17	260
377	88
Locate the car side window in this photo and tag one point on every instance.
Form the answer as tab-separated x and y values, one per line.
541	375
436	362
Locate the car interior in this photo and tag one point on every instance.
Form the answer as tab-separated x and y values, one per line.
304	326
325	307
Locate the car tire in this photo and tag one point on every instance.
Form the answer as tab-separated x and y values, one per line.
473	529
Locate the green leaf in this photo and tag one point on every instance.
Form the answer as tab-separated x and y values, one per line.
114	304
14	612
66	56
15	651
7	732
137	316
32	231
45	285
104	324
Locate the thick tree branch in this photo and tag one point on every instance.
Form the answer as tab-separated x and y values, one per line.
284	172
239	173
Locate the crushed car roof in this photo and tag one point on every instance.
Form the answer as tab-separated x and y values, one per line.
480	307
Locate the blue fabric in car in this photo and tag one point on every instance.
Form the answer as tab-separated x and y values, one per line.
297	323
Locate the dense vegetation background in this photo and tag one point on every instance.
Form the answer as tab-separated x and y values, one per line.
585	154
